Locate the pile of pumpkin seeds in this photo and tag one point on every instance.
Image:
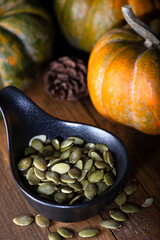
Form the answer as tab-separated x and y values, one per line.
69	171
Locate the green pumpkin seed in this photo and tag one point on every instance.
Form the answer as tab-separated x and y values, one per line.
42	221
29	172
53	161
60	197
89	146
67	143
41	137
75	199
148	202
29	151
23	220
102	165
84	183
90	190
56	144
65	154
65	232
75	155
61	168
66	189
46	151
77	140
76	186
107	155
130	188
54	236
93	169
88	232
96	176
46	188
53	176
74	172
118	215
79	164
83	175
109	178
102	187
40	174
95	156
88	164
101	147
37	144
40	163
65	178
33	179
130	207
111	224
121	198
24	163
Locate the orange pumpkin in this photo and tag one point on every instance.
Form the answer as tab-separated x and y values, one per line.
124	76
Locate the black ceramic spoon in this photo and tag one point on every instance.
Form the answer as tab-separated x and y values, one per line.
24	120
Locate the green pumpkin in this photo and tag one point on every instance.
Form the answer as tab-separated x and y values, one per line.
26	39
84	22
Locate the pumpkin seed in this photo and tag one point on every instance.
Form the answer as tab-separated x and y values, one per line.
24	163
89	146
130	188
61	168
54	236
130	207
33	179
83	175
65	178
66	189
41	137
29	151
109	158
121	198
111	224
76	186
60	197
102	165
77	140
101	147
96	156
65	154
46	151
84	183
75	155
148	202
90	190
96	176
40	163
93	169
88	164
23	220
53	176
37	144
65	232
118	215
42	221
29	172
109	178
75	199
40	174
66	143
46	188
53	161
88	232
74	172
56	144
79	164
101	187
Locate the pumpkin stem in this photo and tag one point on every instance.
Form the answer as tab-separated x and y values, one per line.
140	27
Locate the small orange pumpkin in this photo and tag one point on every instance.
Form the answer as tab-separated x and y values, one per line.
124	76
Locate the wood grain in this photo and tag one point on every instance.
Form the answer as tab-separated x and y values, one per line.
144	153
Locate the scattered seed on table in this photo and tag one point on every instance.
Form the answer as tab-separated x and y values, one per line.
130	207
118	215
121	198
88	232
54	236
111	224
42	221
130	188
23	220
148	202
65	232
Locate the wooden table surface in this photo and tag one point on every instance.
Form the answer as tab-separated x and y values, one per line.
144	153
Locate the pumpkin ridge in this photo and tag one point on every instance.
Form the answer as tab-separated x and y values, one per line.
133	92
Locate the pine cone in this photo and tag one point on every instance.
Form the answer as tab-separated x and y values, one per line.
66	79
